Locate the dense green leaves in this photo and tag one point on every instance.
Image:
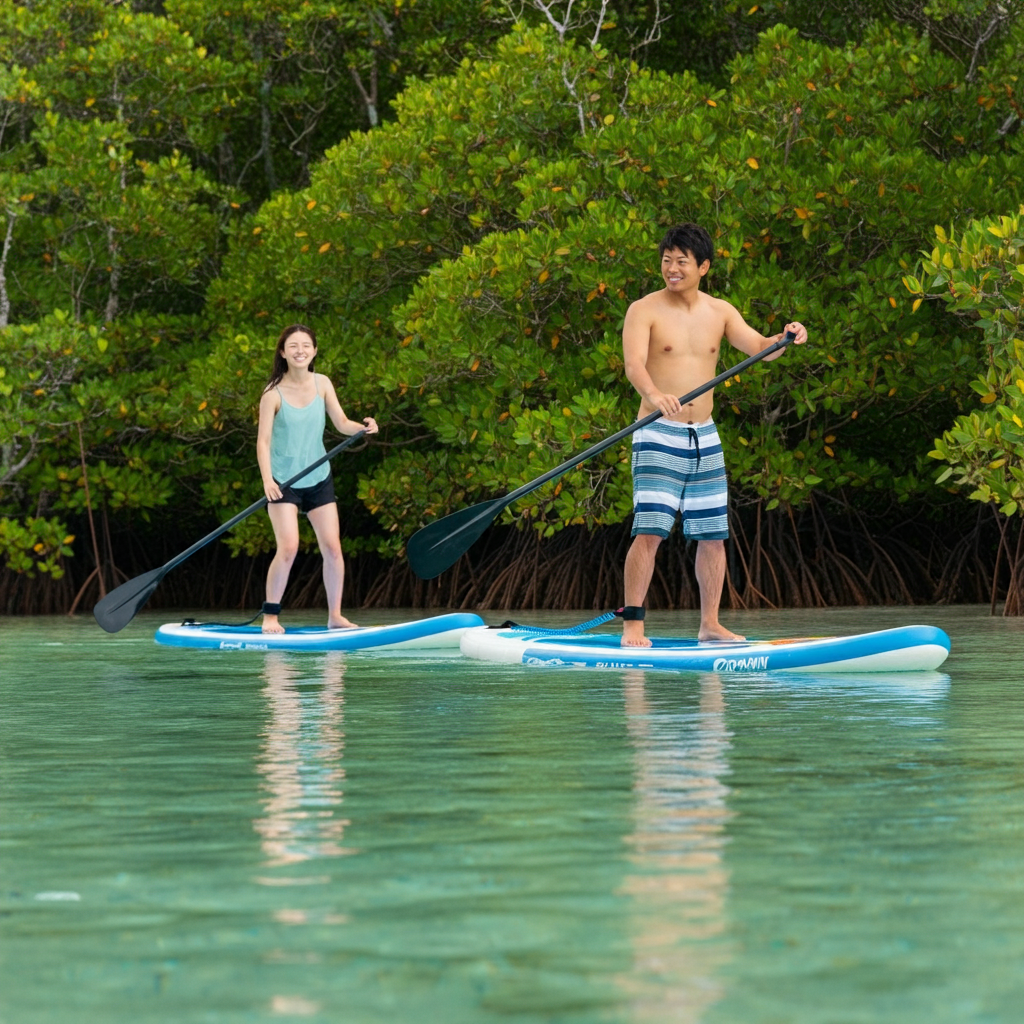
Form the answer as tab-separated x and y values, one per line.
979	274
176	187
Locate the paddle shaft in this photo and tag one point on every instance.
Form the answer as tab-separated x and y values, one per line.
601	446
257	505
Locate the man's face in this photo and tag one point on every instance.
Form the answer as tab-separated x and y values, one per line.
680	270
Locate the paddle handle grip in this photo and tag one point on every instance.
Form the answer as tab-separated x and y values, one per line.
601	446
257	505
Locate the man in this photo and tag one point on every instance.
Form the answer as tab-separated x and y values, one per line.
671	341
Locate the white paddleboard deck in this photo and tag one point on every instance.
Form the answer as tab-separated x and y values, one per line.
903	649
437	632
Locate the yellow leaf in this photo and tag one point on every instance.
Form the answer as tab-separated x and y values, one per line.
812	87
543	276
989	398
828	451
892	391
802	213
998	464
752	162
475	366
202	405
881	189
1016	419
555	339
90	101
712	103
916	306
311	204
566	411
301	234
609	119
892	302
256	231
562	251
323	248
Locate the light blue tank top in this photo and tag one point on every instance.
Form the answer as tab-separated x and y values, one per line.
297	441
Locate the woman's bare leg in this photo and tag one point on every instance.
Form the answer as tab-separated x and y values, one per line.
284	517
328	536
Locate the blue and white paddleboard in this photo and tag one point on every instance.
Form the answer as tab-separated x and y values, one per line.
904	649
439	631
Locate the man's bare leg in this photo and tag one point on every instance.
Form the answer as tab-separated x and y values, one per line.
709	569
638	572
324	521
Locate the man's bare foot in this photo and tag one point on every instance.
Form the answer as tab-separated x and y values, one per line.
271	625
718	632
633	634
340	622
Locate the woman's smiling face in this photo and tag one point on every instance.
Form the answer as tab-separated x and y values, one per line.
298	349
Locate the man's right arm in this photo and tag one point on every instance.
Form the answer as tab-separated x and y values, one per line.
636	346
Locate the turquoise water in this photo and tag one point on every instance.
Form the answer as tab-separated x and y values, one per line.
193	836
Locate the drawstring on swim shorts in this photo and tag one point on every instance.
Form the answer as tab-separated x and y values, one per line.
695	441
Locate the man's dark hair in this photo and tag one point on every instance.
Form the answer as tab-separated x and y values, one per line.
689	238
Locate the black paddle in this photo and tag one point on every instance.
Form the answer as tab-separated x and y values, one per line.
120	606
437	546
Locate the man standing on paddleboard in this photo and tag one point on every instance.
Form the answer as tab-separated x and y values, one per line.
671	341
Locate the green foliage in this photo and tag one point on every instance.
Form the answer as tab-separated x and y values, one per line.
980	277
35	545
468	262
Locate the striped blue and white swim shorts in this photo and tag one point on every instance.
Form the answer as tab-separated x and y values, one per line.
679	469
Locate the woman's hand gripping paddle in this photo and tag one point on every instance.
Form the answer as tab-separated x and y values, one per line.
120	606
439	545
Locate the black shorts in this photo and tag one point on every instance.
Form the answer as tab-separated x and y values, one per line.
308	498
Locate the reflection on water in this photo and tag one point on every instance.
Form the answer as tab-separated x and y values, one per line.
905	687
678	880
300	762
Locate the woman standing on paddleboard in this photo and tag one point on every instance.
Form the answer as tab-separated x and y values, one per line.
293	414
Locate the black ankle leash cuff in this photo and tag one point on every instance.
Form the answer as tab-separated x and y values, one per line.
271	609
631	612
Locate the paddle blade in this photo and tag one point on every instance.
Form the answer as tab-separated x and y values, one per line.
120	606
439	545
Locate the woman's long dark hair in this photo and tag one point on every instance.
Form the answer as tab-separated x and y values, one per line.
280	363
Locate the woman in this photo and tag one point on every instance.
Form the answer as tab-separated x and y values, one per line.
293	412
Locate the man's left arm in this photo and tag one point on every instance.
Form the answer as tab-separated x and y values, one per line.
742	336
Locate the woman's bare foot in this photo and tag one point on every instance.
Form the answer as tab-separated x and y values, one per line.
718	632
340	622
271	625
633	634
